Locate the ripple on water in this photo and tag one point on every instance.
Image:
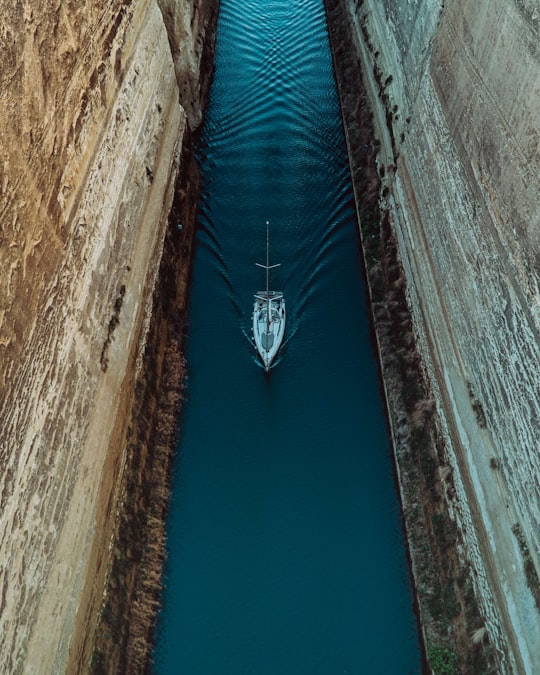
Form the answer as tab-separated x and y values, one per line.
285	548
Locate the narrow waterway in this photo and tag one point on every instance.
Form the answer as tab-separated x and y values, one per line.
286	554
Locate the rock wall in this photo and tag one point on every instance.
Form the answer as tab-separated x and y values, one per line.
122	637
455	91
190	27
91	129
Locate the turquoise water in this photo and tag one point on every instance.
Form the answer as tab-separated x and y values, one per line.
285	546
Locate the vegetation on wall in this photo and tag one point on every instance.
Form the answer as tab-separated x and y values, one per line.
531	574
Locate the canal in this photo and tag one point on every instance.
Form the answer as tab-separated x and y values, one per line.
285	549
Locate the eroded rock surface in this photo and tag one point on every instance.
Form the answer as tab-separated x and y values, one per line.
455	91
91	129
190	27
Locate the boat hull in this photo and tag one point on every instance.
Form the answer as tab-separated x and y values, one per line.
269	317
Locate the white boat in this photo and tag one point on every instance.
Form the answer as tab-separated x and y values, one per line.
268	316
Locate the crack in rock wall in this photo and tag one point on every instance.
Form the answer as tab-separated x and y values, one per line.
456	95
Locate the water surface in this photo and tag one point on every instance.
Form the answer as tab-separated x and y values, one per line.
285	546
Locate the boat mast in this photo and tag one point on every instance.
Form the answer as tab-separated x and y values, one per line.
267	255
269	305
267	267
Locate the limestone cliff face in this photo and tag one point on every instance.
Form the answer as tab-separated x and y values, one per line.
91	128
456	95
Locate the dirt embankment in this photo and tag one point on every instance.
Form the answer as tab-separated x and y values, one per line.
450	621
